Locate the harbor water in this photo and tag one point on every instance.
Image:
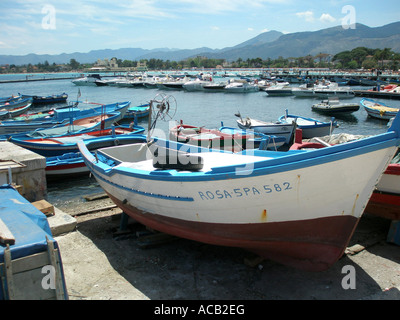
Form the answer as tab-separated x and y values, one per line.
200	108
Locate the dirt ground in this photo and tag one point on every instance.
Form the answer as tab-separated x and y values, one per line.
102	263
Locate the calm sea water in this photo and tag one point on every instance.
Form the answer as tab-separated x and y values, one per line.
207	109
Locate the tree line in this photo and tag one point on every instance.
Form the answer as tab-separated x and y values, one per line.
357	58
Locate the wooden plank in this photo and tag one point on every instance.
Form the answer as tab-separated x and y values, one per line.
6	236
45	207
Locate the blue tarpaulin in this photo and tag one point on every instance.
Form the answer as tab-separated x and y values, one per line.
28	225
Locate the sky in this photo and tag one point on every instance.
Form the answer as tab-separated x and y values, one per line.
67	26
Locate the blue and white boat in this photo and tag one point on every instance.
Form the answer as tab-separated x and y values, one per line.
63	116
273	203
311	127
55	145
378	110
137	112
257	139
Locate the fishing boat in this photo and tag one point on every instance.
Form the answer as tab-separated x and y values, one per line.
385	200
49	145
311	127
72	164
137	112
15	103
378	110
334	106
269	202
270	128
62	116
256	139
209	138
15	112
69	164
50	99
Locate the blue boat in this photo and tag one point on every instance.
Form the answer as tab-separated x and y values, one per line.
72	163
378	110
28	243
55	145
15	103
311	127
61	117
259	140
137	112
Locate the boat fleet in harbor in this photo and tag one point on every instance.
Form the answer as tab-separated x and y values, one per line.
304	87
249	187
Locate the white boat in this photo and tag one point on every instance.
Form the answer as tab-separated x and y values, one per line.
298	208
378	110
197	84
323	91
279	90
277	128
172	84
89	80
310	127
215	86
334	106
241	86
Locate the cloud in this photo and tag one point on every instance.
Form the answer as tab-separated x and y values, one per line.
326	17
306	15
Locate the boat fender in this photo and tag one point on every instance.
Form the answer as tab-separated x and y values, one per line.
166	159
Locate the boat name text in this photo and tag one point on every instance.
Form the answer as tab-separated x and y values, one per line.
244	191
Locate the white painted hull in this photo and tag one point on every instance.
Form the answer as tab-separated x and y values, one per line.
299	208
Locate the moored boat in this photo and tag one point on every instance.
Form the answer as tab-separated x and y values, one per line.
334	106
271	203
55	98
140	111
61	116
378	110
270	128
55	145
209	138
15	112
310	127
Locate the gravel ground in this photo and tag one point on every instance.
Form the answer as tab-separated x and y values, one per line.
101	263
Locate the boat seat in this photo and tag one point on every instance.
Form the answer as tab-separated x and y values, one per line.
165	158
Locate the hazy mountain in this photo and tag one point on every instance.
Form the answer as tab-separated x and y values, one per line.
331	40
270	44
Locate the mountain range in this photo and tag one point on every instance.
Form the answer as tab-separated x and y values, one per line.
271	44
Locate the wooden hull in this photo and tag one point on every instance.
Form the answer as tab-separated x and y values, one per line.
294	243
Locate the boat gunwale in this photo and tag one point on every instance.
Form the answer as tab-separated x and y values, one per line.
289	161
